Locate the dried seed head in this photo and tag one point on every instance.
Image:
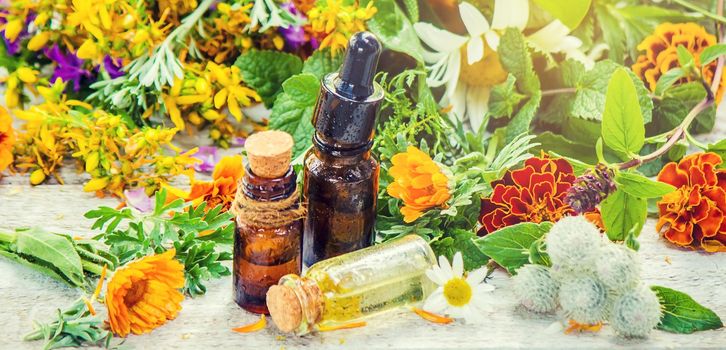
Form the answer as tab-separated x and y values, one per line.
636	312
535	288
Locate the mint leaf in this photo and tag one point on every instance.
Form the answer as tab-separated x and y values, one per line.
711	53
685	58
509	246
668	79
621	213
570	13
677	102
682	314
551	142
320	63
393	28
591	90
461	241
640	186
293	110
718	148
504	98
265	71
623	128
518	62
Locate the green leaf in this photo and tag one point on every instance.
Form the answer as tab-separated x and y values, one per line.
551	142
718	148
640	186
54	250
518	62
522	120
612	32
685	58
677	102
461	241
293	110
394	30
711	53
623	128
504	98
509	246
682	314
668	79
265	71
570	13
591	92
621	213
320	63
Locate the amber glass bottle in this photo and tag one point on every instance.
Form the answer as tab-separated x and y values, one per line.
268	238
341	176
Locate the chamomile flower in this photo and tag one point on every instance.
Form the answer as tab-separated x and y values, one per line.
469	65
458	295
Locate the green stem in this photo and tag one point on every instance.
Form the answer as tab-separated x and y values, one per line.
8	237
37	334
91	267
559	91
700	10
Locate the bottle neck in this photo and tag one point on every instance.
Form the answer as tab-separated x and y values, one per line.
266	189
327	152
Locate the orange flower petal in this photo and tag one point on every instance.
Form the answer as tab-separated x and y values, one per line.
343	326
252	327
432	317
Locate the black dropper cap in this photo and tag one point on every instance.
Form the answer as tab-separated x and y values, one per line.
349	100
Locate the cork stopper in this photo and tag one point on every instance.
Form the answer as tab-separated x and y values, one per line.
284	307
269	153
291	306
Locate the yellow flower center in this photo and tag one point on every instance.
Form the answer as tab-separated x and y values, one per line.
487	72
457	292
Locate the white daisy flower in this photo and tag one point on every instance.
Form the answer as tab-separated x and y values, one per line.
458	295
469	65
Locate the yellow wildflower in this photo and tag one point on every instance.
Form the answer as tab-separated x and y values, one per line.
13	28
88	50
232	92
334	23
38	41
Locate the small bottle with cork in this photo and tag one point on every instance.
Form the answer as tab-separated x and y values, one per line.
353	286
340	174
269	218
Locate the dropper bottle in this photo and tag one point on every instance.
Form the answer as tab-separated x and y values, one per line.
340	175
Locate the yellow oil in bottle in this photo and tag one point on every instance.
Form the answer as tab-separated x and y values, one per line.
354	286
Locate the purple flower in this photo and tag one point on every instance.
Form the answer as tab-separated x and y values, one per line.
68	66
114	66
591	188
209	157
138	200
238	142
294	35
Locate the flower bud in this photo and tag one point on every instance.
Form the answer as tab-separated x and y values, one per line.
591	188
584	299
38	41
535	288
573	243
636	312
37	177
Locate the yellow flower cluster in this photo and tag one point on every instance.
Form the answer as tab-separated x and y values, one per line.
203	94
22	77
333	22
228	32
115	153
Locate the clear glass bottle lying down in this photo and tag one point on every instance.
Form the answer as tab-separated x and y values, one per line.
353	286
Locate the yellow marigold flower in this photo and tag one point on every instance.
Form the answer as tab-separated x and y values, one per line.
38	41
144	294
661	53
7	139
334	23
419	182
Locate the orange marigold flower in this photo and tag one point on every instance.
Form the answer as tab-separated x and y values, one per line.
144	294
534	193
222	188
695	214
419	182
661	53
7	139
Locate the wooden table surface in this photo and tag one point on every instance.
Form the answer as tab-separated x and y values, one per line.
205	321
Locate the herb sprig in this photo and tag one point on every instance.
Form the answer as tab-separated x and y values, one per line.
196	235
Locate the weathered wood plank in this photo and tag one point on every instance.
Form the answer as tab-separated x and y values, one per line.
205	322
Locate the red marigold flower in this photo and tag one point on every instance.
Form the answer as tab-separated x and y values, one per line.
695	214
534	193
